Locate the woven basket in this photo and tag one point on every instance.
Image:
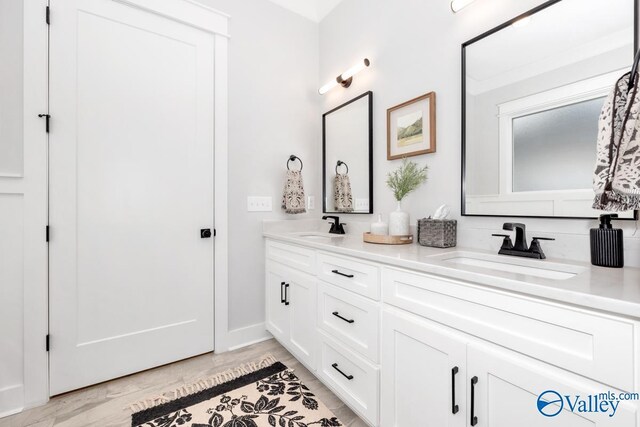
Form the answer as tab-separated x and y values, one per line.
437	233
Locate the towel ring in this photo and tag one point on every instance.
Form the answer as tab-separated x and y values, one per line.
341	163
293	158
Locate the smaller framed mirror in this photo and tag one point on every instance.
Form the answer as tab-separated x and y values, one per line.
347	157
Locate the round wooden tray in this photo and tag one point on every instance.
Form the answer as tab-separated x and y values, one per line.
387	240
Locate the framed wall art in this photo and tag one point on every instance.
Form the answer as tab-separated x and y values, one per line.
411	127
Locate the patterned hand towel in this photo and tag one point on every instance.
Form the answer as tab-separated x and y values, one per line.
617	175
342	198
293	196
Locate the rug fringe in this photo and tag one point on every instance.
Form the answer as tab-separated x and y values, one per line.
202	384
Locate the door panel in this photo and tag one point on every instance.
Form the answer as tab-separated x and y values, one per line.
508	387
277	312
417	361
131	169
303	334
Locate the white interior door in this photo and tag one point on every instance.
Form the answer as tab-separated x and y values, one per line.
131	187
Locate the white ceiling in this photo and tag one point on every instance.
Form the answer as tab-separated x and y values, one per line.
314	10
563	34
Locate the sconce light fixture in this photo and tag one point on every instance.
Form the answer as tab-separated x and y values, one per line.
345	78
458	5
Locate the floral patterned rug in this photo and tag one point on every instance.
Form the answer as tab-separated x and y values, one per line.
264	393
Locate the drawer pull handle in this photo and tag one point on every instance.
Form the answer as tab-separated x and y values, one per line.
454	407
335	313
286	294
335	366
474	419
350	276
282	299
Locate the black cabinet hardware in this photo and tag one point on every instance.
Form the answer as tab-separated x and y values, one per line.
205	233
47	118
286	294
350	276
454	407
335	313
335	366
282	298
474	419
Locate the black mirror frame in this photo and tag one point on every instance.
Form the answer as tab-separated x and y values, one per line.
324	155
464	110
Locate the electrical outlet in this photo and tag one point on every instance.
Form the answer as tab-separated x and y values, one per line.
362	204
311	202
259	204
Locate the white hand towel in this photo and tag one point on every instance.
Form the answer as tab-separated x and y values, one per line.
342	197
293	201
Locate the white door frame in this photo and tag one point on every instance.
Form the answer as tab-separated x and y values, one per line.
36	373
31	185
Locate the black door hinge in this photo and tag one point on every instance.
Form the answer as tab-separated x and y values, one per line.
47	342
48	16
47	118
214	232
47	233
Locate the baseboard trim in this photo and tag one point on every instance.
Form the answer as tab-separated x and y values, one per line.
11	400
248	335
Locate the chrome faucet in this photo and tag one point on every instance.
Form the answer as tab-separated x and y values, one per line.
520	248
337	226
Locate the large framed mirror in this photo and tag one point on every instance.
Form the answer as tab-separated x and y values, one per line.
347	157
533	89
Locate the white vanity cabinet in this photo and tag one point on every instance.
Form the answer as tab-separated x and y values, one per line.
291	310
406	348
508	386
423	375
432	375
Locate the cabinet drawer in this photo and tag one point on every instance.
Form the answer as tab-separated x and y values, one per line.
357	276
293	256
350	318
350	376
591	344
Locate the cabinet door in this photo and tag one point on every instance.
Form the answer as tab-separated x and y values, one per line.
508	385
277	313
303	338
423	373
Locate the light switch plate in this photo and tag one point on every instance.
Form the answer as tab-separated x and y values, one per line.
362	205
259	204
311	202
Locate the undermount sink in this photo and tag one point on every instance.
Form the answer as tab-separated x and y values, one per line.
507	264
318	236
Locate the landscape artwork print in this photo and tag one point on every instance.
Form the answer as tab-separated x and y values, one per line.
411	127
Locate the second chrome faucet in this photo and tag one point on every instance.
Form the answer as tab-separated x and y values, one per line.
520	247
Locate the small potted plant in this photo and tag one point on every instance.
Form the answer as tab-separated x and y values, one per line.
408	177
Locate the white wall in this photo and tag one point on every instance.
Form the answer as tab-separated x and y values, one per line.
414	47
273	112
11	105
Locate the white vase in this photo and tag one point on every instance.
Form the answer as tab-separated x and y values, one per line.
399	222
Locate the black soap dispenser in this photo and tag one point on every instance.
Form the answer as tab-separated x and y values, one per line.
607	244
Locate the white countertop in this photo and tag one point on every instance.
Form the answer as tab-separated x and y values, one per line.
613	290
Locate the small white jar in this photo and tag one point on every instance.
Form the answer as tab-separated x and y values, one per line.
380	227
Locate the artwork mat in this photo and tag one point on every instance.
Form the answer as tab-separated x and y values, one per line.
425	103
